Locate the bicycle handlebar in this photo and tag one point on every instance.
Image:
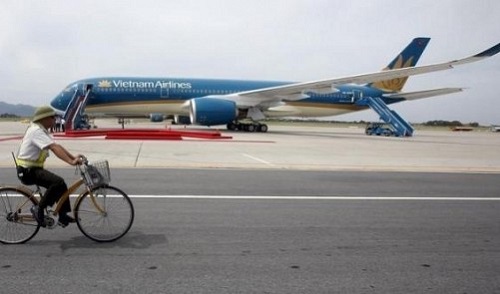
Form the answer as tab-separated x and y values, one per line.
84	159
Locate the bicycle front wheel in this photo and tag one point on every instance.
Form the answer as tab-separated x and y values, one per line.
17	224
104	214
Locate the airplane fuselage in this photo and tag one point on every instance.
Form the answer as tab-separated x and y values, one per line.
142	96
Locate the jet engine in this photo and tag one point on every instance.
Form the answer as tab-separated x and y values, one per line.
212	111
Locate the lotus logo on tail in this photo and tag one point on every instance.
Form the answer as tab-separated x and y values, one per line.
394	85
400	64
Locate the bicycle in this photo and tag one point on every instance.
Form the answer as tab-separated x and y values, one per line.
102	212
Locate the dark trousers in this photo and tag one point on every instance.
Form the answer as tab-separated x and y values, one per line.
54	184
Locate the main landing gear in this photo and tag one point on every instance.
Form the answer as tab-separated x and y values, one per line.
247	127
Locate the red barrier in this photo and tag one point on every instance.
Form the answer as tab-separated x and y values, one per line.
145	134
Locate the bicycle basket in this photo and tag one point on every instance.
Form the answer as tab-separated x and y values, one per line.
97	173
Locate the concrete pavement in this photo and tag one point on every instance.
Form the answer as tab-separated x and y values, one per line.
294	147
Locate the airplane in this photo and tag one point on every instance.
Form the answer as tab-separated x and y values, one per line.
240	105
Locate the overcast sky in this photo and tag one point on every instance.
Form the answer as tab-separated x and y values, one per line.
47	44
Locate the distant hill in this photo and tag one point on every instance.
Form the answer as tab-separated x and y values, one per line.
18	109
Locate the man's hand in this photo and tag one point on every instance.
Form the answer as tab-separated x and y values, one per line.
78	159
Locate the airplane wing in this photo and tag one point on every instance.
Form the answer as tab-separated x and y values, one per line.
296	91
423	94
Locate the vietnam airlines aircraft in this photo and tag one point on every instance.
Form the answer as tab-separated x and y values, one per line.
241	104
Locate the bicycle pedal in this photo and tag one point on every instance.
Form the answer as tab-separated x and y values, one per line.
50	223
62	225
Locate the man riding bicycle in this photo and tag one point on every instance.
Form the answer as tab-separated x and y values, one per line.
31	156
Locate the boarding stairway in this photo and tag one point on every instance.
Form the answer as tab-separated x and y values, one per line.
74	114
400	127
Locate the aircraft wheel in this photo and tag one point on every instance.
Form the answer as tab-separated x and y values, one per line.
250	128
263	128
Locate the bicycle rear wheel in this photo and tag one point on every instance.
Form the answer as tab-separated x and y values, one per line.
104	215
17	224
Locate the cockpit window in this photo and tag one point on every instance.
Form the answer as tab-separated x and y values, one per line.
70	88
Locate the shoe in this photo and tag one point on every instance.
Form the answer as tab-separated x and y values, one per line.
65	220
38	215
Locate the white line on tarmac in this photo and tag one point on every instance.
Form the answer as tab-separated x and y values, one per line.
354	198
257	159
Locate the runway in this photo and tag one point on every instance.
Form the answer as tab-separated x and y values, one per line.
294	225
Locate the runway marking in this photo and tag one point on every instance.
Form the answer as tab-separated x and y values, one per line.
350	198
138	153
257	159
354	198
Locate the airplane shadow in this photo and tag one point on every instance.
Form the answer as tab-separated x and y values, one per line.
327	134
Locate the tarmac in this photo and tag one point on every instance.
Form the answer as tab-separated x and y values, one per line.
293	146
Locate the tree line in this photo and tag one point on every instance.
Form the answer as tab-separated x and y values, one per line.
9	115
446	123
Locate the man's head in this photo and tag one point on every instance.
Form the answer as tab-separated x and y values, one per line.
44	115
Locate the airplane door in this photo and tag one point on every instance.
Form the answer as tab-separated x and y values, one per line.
356	95
164	92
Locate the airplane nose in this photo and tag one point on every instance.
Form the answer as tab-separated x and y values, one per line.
60	102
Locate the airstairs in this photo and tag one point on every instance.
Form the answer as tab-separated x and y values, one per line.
74	114
399	126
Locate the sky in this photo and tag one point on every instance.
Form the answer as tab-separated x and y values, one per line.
47	44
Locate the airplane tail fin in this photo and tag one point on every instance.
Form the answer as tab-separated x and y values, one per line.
407	58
